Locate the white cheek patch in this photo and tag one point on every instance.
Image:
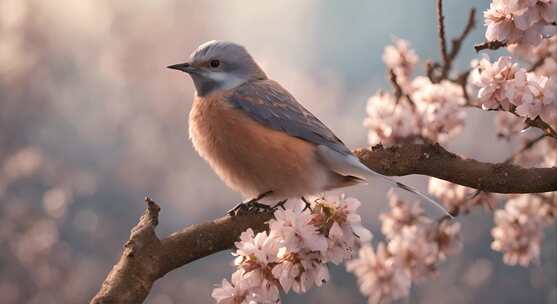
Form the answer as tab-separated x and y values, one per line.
225	81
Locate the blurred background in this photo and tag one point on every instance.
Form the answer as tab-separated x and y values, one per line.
91	121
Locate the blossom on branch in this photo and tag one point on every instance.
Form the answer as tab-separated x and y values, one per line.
401	59
518	230
295	252
379	275
433	112
519	22
504	85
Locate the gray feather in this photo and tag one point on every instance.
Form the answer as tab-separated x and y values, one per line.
266	102
350	165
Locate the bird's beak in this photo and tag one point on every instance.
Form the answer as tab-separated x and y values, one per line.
184	67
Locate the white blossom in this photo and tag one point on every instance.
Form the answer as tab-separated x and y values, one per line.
293	229
336	216
440	107
295	252
401	59
379	276
503	85
518	230
400	215
519	21
388	121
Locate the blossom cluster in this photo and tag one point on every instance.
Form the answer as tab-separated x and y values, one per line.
401	59
426	109
519	21
504	85
294	254
518	230
414	246
433	111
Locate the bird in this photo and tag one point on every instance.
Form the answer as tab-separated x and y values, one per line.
258	138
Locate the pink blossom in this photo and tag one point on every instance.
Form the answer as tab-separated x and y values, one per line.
400	215
519	22
388	121
401	59
292	228
518	231
379	276
492	79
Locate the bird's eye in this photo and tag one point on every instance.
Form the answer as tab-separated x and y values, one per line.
215	63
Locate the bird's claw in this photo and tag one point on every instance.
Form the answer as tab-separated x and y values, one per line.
249	207
280	205
307	204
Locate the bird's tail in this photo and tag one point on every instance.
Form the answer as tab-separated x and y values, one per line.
350	165
411	190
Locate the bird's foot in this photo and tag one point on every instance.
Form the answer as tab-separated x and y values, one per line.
280	205
307	204
251	206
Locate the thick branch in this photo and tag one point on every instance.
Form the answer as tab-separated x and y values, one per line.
146	258
433	160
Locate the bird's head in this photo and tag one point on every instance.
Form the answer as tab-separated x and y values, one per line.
220	65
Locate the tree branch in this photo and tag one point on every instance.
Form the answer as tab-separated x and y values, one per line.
490	45
146	258
433	160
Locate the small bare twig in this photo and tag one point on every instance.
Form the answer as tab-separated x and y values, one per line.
536	123
399	91
544	126
462	80
528	145
490	45
441	33
539	62
456	44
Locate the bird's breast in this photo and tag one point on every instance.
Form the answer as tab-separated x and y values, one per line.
251	158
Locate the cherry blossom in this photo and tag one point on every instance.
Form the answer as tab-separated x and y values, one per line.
389	121
440	108
379	275
401	59
520	21
503	85
295	252
435	112
518	231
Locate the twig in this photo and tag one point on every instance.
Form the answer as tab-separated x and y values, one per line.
441	33
539	62
490	45
540	124
399	92
456	44
462	80
536	123
528	145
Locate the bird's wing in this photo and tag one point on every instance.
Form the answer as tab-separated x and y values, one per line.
266	102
